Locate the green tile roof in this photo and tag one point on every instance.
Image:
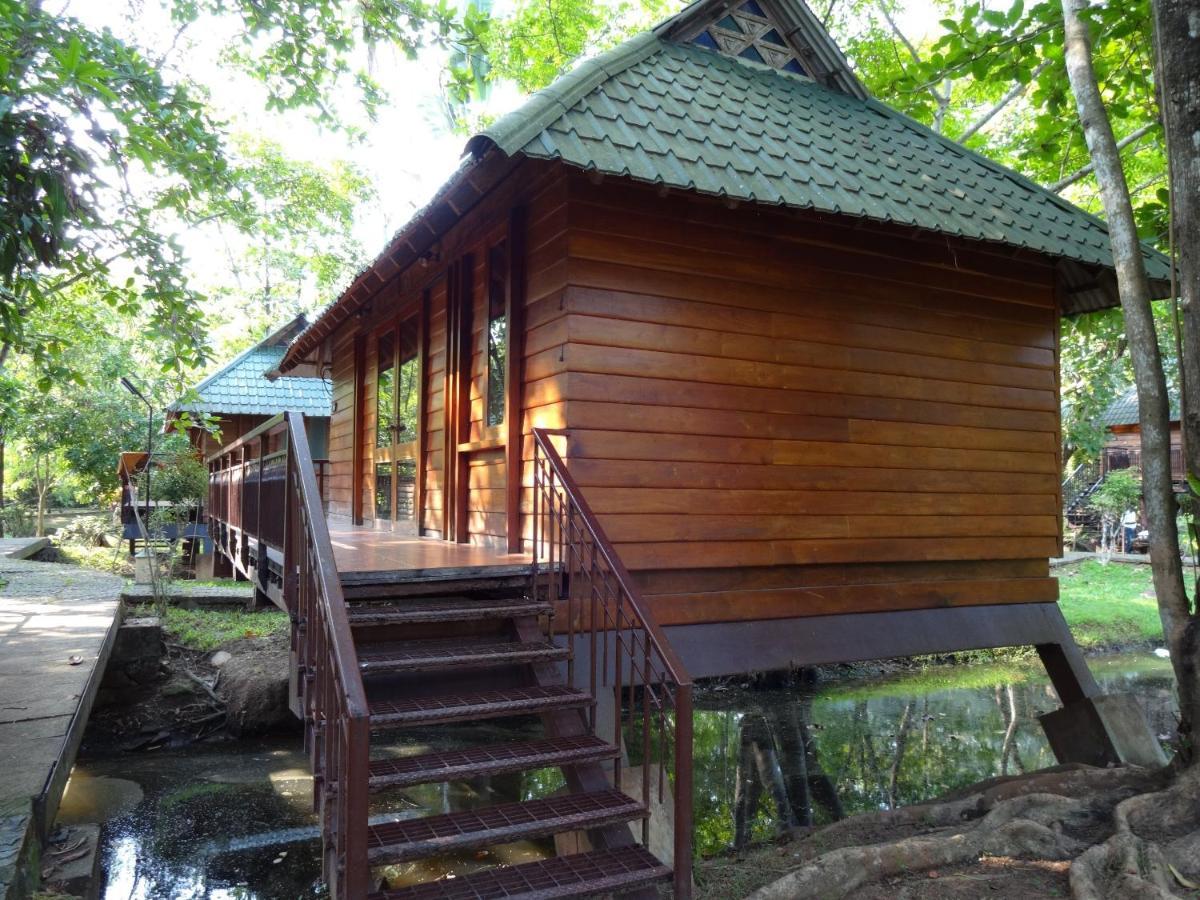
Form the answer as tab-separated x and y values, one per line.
242	388
687	117
1124	409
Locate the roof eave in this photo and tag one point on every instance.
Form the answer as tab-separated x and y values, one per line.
478	172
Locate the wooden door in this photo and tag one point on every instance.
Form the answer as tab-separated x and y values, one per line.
483	395
398	432
457	425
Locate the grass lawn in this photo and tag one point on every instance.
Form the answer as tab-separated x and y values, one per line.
1109	605
114	560
208	629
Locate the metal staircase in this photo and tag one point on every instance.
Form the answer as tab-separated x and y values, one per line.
498	672
370	657
1077	490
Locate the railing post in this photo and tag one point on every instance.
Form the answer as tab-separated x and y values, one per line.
683	793
353	781
537	487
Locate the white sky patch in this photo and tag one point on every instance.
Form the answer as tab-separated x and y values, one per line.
408	152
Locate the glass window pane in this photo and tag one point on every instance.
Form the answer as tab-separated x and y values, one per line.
385	397
406	492
383	491
497	333
408	386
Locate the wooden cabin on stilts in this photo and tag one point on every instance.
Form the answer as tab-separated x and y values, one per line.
702	362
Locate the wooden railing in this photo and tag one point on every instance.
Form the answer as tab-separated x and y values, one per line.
609	625
263	493
1113	459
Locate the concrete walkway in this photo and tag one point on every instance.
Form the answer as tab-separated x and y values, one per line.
57	627
23	547
1133	559
184	593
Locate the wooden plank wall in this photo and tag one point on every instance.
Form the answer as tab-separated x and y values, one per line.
341	425
541	190
778	417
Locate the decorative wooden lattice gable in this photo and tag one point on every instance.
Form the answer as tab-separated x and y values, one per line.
783	34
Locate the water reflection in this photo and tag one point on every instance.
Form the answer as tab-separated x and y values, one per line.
236	820
769	760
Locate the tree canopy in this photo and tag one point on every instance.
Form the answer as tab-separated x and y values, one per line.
125	181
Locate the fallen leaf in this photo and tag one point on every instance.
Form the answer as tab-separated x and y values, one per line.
1185	882
75	660
934	873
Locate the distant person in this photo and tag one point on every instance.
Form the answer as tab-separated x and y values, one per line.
1129	528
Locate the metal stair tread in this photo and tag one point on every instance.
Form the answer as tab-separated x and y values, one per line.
491	759
453	609
396	842
399	656
577	875
475	705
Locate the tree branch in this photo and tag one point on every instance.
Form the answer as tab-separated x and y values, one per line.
1017	91
942	98
899	34
1083	172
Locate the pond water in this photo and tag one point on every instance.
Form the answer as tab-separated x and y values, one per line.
235	820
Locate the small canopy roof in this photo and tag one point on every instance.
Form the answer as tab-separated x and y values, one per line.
751	100
242	386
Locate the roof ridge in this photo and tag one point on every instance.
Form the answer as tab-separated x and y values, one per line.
515	129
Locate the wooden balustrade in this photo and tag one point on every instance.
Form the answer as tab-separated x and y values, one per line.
265	504
610	628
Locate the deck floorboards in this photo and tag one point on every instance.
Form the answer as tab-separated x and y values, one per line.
360	549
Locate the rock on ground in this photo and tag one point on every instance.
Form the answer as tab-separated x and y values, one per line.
254	687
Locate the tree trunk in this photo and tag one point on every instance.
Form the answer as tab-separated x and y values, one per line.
898	759
747	789
1177	37
1	487
1153	406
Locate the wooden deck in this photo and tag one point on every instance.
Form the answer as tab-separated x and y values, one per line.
359	550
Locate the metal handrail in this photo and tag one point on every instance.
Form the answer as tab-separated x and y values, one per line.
327	691
333	602
582	567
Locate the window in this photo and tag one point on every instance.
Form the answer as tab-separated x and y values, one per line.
406	491
497	333
385	396
383	491
408	384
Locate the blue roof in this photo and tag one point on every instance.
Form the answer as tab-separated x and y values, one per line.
242	388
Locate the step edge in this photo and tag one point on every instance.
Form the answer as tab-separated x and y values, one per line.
566	701
385	855
514	764
647	876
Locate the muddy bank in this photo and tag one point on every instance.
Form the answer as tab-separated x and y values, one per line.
236	690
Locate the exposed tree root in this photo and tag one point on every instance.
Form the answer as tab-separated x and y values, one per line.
1154	852
1129	832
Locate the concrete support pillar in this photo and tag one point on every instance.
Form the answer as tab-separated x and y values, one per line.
1093	728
